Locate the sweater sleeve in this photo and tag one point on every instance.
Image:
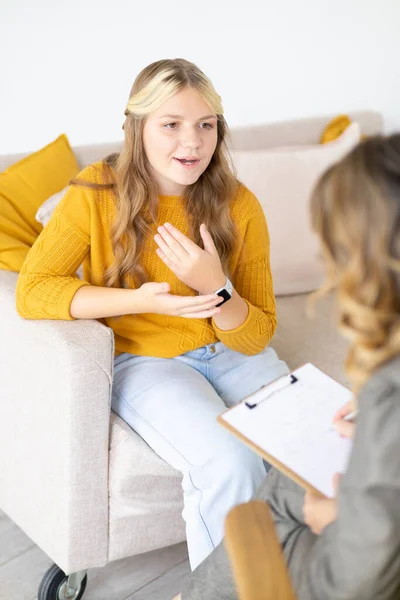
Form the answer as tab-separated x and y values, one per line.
47	282
252	280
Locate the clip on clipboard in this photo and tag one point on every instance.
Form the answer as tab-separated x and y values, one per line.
278	385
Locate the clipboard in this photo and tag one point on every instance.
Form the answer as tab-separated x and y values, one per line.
245	420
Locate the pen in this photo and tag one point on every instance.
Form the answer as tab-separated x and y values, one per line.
351	416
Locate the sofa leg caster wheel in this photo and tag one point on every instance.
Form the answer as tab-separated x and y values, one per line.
56	585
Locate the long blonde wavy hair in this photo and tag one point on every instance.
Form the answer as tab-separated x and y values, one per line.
356	213
128	174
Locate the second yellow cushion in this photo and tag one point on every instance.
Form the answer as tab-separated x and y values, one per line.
23	188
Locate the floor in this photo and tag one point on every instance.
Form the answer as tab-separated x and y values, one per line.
158	575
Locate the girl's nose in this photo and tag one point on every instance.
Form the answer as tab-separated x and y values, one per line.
191	138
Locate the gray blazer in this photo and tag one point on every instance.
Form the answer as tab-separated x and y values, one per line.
358	556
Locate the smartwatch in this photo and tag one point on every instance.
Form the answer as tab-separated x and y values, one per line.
225	292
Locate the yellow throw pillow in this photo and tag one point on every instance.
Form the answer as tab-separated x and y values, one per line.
335	128
23	188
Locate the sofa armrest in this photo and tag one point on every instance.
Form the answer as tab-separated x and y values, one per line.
56	379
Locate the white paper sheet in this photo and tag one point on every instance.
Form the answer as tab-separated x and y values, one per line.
294	425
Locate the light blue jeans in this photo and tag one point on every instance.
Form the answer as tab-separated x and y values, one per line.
173	404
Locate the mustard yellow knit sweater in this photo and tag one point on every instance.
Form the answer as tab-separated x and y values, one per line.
79	231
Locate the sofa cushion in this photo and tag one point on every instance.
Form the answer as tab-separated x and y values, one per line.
23	188
283	179
146	496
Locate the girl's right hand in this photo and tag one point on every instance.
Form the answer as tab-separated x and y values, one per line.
344	428
155	298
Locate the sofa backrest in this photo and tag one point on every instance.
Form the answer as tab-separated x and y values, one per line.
255	137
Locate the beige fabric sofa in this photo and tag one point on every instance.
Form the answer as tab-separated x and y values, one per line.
82	485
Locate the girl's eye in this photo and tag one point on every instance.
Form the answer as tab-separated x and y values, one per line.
171	125
206	126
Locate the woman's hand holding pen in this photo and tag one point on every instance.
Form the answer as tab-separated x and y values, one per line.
343	421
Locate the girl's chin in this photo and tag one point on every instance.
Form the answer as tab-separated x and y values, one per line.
187	178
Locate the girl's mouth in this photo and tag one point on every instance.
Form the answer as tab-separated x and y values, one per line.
188	163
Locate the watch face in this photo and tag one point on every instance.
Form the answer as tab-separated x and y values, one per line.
225	295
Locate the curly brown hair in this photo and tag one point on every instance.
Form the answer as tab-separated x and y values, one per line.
356	213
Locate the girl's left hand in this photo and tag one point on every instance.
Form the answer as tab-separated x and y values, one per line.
200	269
320	512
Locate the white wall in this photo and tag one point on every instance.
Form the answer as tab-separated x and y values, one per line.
68	66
